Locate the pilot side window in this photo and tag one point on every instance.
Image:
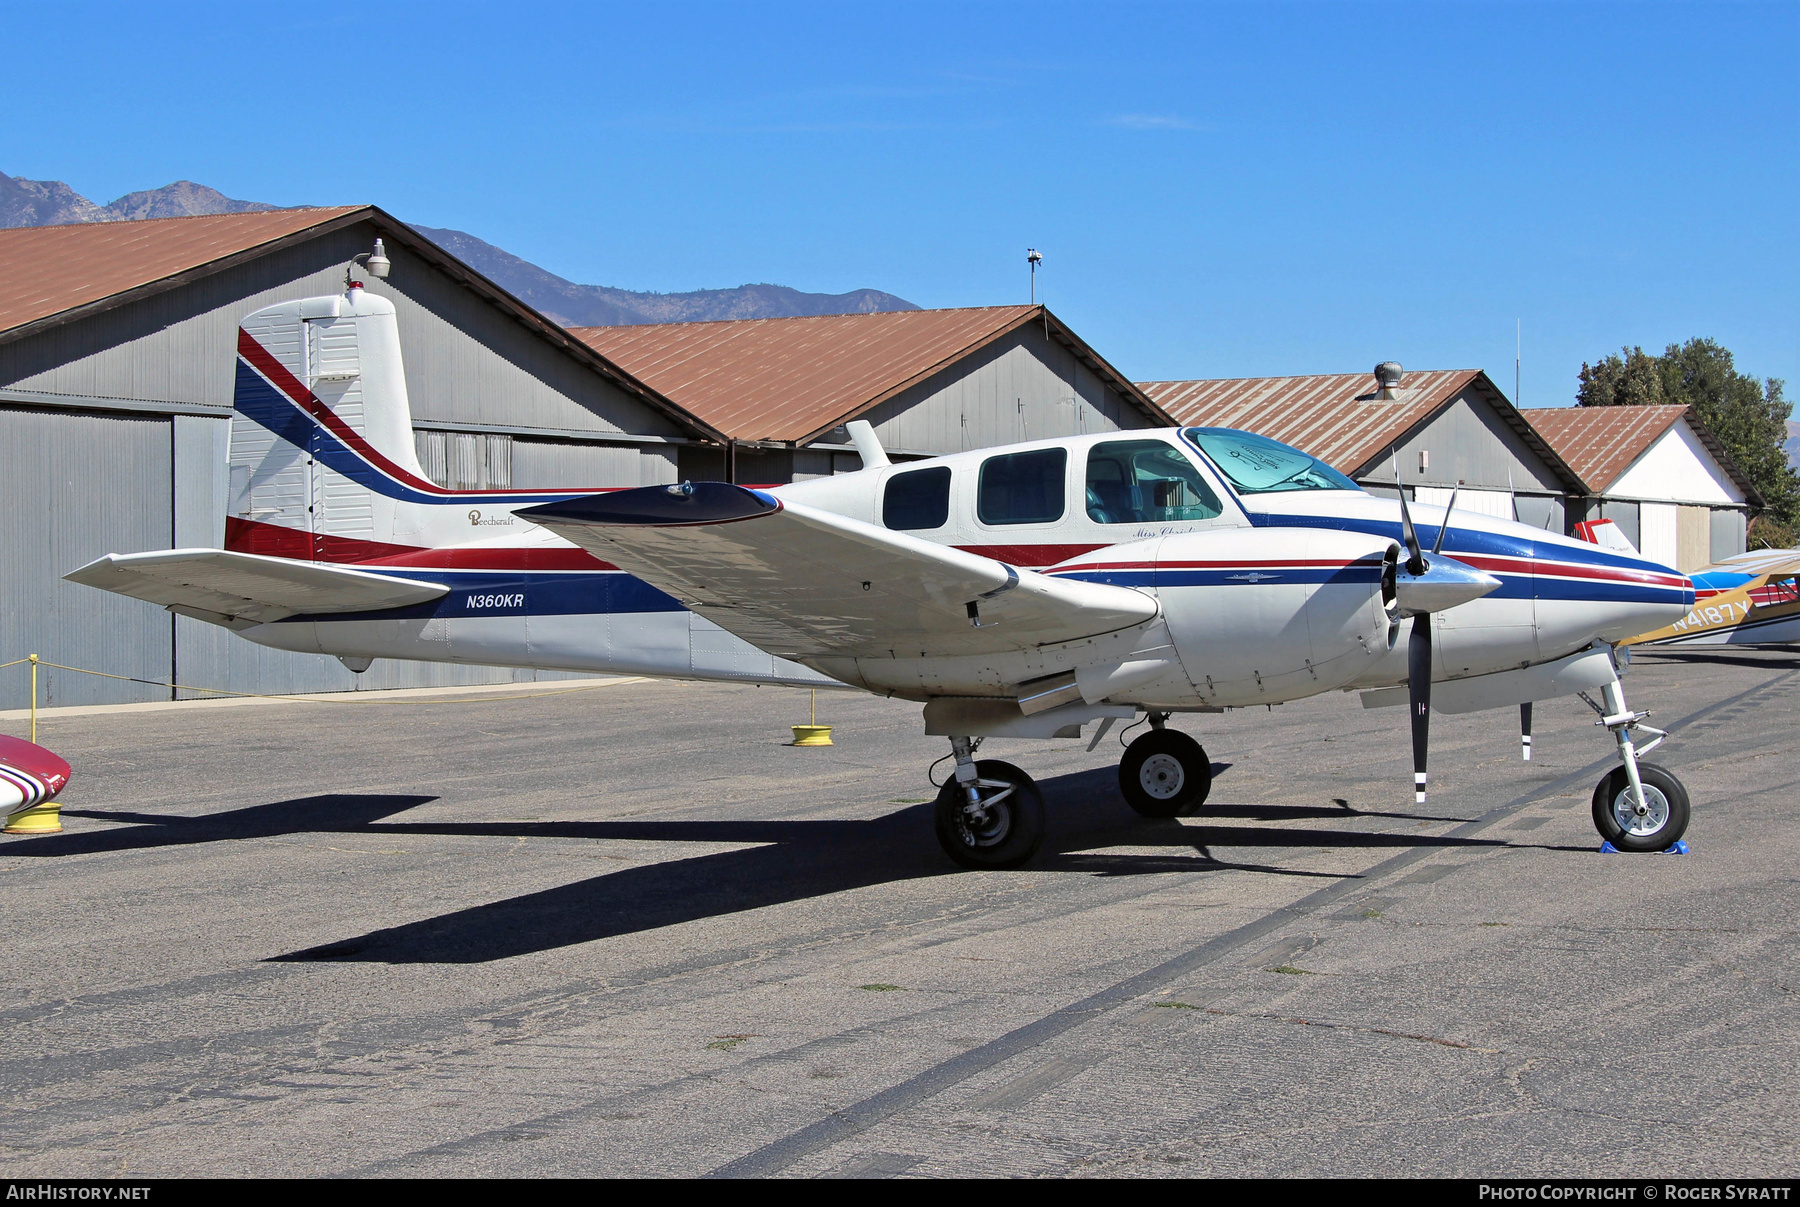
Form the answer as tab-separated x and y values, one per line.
1145	482
918	499
1022	488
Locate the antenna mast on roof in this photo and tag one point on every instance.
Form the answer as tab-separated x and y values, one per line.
1518	354
1032	258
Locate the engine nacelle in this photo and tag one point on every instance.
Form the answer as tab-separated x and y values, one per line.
1260	616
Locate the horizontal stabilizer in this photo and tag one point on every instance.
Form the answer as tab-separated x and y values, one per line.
248	588
800	582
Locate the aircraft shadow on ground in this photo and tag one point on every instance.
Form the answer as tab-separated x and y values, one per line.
795	860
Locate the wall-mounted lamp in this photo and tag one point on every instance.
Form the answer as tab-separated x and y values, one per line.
379	264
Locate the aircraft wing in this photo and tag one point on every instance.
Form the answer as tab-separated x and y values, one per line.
797	581
1776	563
242	589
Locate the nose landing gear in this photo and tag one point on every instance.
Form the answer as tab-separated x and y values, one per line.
1637	806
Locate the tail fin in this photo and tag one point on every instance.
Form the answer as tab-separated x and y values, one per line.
322	456
1607	535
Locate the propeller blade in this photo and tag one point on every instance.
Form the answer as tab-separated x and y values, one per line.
1443	528
1415	555
1525	730
1418	689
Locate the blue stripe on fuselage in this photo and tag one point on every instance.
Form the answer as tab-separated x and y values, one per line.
263	404
1235	576
1462	540
519	593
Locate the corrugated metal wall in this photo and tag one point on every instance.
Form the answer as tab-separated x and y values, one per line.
1023	387
1730	533
466	362
74	487
77	484
555	464
1469	444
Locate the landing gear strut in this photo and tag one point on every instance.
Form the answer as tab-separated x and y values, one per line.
1164	772
989	813
1637	806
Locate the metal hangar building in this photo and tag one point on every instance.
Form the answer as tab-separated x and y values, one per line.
117	363
931	382
1450	429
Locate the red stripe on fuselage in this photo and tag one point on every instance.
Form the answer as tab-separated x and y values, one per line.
1522	565
272	540
1030	555
1254	564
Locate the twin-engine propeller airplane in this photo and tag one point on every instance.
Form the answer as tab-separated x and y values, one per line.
1021	591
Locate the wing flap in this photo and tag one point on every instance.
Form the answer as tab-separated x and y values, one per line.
800	582
248	586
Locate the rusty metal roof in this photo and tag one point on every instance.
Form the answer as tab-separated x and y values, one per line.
1338	417
1601	443
791	380
51	275
51	270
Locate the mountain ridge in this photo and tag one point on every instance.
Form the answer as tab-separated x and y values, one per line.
51	203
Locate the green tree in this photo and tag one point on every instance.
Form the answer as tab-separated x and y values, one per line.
1747	415
1630	378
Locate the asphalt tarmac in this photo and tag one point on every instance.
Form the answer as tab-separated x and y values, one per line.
626	931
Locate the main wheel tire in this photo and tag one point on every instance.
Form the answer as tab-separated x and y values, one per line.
1664	820
1015	825
1163	773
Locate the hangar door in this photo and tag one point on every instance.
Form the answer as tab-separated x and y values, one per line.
75	485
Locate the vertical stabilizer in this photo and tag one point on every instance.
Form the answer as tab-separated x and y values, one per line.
321	419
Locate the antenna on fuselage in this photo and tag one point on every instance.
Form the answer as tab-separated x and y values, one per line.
868	445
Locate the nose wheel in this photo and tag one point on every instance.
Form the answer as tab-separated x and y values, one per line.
1164	773
1649	818
1638	806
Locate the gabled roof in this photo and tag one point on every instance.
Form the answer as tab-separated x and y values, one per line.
51	271
1338	417
1601	443
791	380
50	275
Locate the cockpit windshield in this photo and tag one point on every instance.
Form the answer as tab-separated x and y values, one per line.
1258	465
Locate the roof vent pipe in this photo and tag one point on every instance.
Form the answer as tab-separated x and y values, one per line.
1387	379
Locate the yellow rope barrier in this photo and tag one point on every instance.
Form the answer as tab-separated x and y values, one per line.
309	699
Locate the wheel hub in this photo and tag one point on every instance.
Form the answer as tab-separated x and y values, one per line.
1162	776
1642	818
989	823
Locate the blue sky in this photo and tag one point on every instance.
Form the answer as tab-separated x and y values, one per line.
1217	189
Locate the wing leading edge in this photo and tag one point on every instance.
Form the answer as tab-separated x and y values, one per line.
799	582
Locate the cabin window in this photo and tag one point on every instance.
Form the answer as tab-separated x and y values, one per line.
1022	488
1258	465
1145	482
917	499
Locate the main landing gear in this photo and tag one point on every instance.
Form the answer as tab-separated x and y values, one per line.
990	814
1164	772
1637	806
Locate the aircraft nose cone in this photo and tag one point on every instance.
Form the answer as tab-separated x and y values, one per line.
1446	583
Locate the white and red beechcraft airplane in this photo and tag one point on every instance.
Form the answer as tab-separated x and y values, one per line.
1021	591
